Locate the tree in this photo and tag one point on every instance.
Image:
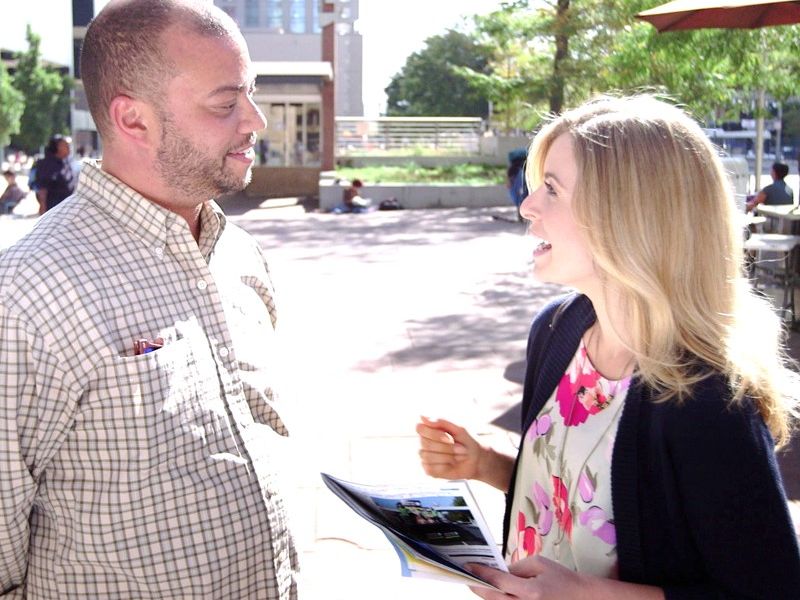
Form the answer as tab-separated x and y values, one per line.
42	88
712	71
545	56
548	56
513	82
12	103
430	85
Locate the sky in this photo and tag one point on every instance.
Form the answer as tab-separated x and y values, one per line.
391	31
394	29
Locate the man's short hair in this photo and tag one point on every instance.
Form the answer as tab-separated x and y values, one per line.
123	49
781	169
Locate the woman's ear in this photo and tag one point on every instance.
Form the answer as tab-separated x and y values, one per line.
132	120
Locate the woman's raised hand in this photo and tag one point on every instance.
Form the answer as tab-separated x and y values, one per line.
447	450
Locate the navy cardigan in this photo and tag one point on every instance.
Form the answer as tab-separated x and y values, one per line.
699	506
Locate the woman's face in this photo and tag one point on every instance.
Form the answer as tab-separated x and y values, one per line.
563	256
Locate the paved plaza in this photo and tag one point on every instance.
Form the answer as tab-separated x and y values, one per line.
386	316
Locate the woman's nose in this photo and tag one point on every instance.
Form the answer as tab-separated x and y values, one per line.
527	208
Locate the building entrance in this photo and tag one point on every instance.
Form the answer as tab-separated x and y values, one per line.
292	137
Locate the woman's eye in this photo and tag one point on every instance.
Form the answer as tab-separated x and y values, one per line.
550	189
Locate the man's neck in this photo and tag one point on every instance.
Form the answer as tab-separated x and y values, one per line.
153	188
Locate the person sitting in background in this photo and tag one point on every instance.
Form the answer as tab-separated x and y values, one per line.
777	192
12	195
352	200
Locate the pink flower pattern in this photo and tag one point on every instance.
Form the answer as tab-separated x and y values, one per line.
529	542
570	499
561	504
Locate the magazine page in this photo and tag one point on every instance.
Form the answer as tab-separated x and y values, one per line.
436	529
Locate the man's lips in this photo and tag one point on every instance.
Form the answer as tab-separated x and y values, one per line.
244	154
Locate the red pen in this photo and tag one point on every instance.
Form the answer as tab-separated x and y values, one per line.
144	346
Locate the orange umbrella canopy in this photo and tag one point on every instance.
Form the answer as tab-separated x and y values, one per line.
726	14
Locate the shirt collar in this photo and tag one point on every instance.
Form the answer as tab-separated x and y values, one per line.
144	218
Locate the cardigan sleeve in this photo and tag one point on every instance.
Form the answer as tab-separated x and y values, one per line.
731	494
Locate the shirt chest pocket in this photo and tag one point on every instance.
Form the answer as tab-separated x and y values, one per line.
163	407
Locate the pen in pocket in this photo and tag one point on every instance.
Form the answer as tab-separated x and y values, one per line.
144	346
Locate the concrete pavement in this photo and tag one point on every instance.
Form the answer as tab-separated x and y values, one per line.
386	316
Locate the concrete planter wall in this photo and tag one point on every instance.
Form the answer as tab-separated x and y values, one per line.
422	161
280	182
412	196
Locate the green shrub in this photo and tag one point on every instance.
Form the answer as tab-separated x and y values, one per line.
461	174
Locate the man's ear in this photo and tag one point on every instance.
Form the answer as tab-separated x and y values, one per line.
133	120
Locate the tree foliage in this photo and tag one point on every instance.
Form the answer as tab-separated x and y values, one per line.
548	55
46	93
430	84
12	103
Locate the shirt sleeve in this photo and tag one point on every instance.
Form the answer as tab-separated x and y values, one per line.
44	173
268	296
734	502
38	397
17	484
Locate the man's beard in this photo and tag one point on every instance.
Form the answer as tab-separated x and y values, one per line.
188	170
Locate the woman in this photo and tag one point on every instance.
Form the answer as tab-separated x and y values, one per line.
654	393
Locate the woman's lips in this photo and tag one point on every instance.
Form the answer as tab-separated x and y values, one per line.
542	248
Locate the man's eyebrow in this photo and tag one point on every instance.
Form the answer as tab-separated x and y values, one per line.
235	89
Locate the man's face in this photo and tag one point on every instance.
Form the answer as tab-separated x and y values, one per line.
208	121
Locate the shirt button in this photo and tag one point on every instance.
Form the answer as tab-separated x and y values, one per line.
201	284
159	251
223	352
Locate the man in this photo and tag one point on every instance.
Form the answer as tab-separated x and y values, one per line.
55	174
140	438
778	192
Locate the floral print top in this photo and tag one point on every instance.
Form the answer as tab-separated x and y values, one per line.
562	508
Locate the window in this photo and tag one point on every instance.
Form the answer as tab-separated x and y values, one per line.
275	14
297	16
315	16
252	13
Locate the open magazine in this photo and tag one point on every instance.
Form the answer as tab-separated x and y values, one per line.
435	529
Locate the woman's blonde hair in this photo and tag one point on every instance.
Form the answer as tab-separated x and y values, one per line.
659	216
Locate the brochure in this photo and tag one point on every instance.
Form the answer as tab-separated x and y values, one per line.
436	529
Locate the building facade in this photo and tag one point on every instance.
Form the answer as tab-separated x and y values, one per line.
285	39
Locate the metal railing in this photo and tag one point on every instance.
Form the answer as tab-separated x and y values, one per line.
358	136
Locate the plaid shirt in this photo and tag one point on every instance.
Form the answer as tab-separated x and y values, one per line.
139	476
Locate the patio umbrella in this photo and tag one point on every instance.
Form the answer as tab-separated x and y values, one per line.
726	14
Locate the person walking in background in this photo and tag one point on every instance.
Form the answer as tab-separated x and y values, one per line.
654	393
777	192
515	177
55	174
141	440
12	195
